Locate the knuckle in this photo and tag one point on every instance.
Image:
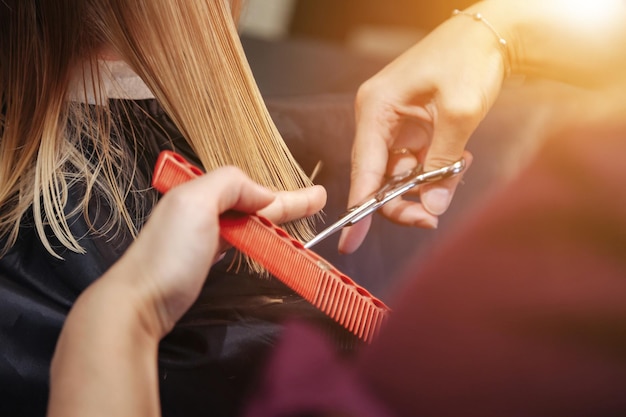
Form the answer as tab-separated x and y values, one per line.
440	161
373	91
366	90
467	110
180	202
232	172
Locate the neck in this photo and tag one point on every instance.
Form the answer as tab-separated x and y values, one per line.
116	80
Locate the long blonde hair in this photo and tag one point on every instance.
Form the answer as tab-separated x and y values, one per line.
186	51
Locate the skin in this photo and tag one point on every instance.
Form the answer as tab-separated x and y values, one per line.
431	98
287	205
421	101
151	287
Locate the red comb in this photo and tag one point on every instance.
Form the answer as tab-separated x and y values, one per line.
305	272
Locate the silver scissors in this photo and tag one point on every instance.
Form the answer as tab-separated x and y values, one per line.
394	186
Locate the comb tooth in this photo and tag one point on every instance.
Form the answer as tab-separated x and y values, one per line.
305	281
370	324
340	302
365	320
328	303
330	294
322	295
320	291
355	315
325	290
317	286
347	308
379	322
362	316
345	315
306	273
382	322
369	313
375	323
314	268
313	280
355	318
301	286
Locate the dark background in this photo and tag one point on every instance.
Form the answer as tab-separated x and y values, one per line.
333	20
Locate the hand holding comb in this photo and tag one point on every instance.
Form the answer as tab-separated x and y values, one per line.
305	272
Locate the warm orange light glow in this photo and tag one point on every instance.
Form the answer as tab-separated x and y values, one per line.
589	13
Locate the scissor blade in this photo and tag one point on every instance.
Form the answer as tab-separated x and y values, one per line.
351	217
383	196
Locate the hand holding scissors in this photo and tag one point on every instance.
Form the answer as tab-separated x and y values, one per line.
395	186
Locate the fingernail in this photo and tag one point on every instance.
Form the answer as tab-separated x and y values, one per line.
430	223
342	243
219	257
352	237
436	200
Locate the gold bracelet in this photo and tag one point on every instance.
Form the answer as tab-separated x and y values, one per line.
501	41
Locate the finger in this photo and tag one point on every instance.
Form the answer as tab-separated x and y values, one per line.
352	237
454	123
239	192
409	213
370	153
292	205
221	253
406	213
188	214
400	211
369	163
401	160
179	243
436	197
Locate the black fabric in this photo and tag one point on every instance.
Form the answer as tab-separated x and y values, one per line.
205	364
208	361
297	67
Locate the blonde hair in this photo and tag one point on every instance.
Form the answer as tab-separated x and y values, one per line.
186	51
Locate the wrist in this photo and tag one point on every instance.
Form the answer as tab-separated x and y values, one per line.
502	43
494	17
136	284
579	42
114	305
105	338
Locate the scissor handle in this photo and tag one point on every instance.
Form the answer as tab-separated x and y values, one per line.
394	186
407	182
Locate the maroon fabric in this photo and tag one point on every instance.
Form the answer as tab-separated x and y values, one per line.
523	313
305	378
